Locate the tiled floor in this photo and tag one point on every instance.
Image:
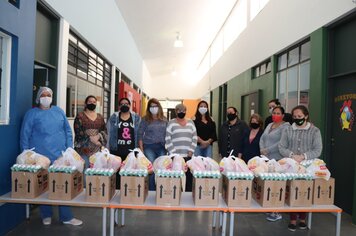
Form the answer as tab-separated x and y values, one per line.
146	223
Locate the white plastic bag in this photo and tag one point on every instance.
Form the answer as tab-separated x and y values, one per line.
318	169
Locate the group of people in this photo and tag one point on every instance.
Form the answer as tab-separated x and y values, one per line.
46	129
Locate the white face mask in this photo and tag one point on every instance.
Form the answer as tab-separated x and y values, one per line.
270	110
45	101
154	110
202	110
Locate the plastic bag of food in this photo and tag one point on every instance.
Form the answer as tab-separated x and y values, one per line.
318	169
70	158
210	164
274	166
104	159
30	157
178	163
162	163
137	160
142	161
258	164
196	163
290	165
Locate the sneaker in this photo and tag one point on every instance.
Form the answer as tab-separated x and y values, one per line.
302	225
47	221
292	227
274	217
73	221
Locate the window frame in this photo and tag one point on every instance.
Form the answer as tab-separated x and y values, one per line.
92	68
298	65
5	78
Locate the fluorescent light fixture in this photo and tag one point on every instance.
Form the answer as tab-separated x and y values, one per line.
178	43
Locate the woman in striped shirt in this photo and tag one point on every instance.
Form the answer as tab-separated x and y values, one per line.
181	138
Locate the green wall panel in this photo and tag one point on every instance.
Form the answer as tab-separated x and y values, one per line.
317	98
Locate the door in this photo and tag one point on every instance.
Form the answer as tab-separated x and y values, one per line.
343	139
249	105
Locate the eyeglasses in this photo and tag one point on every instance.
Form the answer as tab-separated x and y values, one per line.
124	104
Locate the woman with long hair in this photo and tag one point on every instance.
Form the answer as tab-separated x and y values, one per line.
90	130
152	133
206	130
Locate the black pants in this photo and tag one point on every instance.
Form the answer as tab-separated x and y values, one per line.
188	178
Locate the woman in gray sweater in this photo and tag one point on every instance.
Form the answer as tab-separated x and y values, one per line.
272	135
301	141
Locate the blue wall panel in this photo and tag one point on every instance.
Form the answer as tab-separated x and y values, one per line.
20	24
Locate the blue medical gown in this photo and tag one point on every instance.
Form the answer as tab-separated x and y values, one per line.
47	131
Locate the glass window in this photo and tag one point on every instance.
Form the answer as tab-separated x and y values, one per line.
85	77
268	67
293	56
14	2
305	51
263	69
282	82
5	70
282	62
304	83
293	82
292	88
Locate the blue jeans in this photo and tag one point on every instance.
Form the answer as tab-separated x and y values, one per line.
65	213
204	152
152	151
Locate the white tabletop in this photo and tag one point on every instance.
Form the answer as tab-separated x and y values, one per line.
79	200
186	204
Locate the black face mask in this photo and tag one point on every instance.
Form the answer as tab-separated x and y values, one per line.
254	125
231	117
124	108
181	115
91	106
299	122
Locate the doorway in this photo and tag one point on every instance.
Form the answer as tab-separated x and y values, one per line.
343	139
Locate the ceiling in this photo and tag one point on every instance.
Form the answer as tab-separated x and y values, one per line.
154	24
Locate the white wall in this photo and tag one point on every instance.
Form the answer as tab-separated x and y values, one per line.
280	24
103	26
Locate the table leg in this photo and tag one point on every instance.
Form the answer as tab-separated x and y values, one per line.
104	221
116	217
232	223
27	211
123	217
309	220
112	223
338	223
223	232
214	219
220	218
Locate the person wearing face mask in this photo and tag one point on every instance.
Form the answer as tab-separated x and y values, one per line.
269	144
272	104
251	141
46	129
301	141
206	130
181	138
231	134
90	130
122	129
152	133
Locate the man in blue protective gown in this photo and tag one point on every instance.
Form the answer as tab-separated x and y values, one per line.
46	129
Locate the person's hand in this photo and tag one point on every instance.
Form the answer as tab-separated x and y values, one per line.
298	158
95	139
264	152
204	144
190	154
